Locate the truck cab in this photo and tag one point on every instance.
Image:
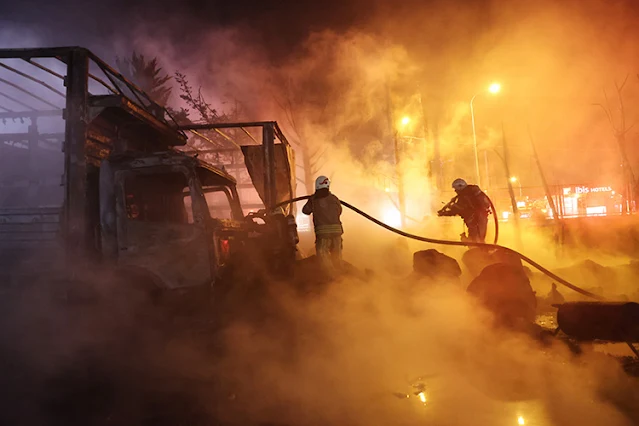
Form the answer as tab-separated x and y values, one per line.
170	215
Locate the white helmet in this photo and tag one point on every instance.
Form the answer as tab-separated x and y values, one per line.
459	184
322	182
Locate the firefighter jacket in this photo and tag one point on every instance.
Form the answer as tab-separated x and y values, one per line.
471	203
326	210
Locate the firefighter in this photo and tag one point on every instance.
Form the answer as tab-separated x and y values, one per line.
326	210
473	206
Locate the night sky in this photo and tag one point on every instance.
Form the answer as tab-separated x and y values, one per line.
554	58
278	25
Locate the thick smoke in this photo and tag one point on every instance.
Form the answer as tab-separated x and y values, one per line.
359	343
331	92
338	356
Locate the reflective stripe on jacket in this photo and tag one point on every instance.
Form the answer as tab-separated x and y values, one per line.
326	210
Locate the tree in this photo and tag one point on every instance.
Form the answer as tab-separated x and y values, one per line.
312	158
620	129
147	75
197	103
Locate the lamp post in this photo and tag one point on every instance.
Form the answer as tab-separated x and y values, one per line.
513	180
493	88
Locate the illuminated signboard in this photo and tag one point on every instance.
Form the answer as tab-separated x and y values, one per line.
588	190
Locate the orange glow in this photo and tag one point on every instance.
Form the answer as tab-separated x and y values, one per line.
392	217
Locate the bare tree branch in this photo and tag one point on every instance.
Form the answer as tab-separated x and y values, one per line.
319	153
608	116
625	80
621	105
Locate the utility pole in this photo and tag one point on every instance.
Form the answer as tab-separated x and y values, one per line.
559	226
551	202
511	192
487	186
431	153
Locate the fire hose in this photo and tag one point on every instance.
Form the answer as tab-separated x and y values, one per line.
461	244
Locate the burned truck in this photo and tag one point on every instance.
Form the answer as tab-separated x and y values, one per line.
94	176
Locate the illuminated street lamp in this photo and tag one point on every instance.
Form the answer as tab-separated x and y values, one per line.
513	180
494	88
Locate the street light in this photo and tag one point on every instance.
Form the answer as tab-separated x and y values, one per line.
513	180
494	88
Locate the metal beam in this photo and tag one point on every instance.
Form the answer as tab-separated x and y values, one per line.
212	126
135	90
35	80
31	114
25	136
17	101
76	197
249	135
46	52
64	53
107	69
270	186
8	83
43	68
280	134
109	88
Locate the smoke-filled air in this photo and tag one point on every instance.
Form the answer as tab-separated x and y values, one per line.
464	250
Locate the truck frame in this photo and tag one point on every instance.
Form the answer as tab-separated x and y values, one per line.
130	200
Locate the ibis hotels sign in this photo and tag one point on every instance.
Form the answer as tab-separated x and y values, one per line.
587	189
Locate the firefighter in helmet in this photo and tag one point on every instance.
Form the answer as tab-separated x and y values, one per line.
472	204
326	210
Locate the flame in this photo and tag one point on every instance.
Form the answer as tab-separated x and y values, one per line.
422	397
521	421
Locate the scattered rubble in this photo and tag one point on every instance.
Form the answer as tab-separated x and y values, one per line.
506	291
